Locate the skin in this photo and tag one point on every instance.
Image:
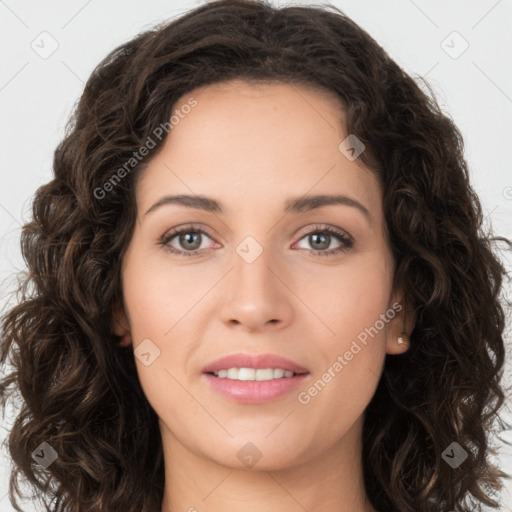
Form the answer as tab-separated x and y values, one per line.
252	147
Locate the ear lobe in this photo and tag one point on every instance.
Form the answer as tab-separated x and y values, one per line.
120	324
398	344
400	328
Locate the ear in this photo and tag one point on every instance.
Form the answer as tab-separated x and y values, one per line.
401	325
121	325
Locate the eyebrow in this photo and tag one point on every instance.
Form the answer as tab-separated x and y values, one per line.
294	205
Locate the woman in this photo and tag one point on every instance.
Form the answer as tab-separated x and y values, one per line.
259	282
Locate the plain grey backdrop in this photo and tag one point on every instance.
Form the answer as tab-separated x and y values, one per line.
48	50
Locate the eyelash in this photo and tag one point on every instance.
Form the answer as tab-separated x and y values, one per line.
347	241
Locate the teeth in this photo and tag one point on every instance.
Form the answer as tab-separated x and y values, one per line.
252	374
233	373
278	373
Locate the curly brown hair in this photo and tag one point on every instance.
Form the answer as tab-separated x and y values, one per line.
79	389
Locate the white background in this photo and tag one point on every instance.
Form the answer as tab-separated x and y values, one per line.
37	96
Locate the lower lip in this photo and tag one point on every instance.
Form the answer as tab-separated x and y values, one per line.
255	392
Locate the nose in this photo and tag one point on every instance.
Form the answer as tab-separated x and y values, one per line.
257	296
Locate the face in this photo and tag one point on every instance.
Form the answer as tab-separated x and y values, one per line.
259	272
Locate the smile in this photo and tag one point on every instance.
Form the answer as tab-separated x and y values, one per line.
259	374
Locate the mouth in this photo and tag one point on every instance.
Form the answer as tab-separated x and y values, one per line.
236	365
254	374
254	379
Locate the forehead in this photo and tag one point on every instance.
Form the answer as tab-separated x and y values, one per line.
247	104
265	139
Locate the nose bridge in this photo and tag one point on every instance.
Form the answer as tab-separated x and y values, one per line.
252	263
256	296
254	237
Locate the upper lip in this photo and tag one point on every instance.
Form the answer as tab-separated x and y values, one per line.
253	361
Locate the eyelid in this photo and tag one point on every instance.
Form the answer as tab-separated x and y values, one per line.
313	228
200	228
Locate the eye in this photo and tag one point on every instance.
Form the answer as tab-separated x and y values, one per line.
189	238
321	236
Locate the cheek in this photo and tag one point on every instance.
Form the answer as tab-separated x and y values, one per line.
346	382
157	298
355	307
347	299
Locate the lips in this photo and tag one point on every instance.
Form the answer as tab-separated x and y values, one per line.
260	361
